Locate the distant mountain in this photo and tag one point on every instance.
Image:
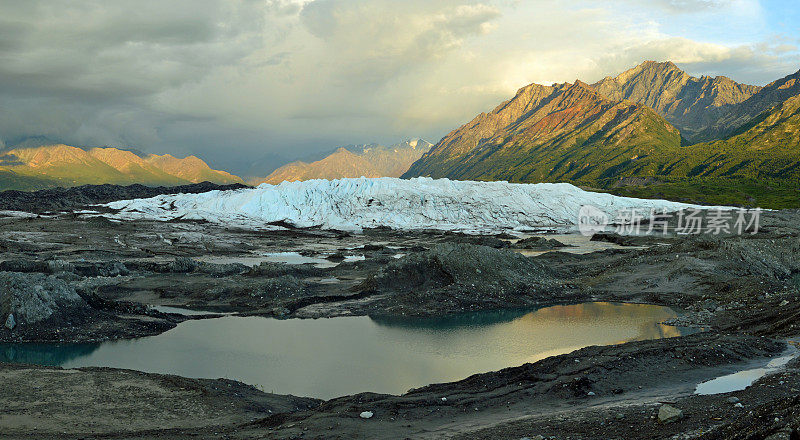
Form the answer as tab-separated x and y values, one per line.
566	132
759	165
354	161
30	142
63	165
693	105
768	147
191	169
758	105
576	133
259	166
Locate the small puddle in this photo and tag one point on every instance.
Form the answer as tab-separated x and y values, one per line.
280	257
353	258
182	311
297	258
331	280
338	356
576	244
743	379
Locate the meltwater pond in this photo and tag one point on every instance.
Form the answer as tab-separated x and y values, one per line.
337	356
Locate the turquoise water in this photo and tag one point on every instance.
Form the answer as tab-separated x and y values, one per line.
332	357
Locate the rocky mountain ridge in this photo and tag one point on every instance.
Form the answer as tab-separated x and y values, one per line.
64	165
353	161
652	131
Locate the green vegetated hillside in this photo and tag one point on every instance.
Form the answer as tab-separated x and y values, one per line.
10	180
620	144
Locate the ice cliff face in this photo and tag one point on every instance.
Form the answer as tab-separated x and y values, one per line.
420	203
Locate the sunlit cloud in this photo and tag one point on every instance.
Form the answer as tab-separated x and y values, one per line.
212	77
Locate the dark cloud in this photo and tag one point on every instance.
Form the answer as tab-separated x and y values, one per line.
236	79
84	70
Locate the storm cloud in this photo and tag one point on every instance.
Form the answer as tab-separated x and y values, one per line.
235	80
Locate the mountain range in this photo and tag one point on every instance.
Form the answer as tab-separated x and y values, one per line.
354	161
38	163
62	165
652	131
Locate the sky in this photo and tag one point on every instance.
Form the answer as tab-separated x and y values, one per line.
234	81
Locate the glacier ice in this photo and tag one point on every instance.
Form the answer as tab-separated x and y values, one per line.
420	203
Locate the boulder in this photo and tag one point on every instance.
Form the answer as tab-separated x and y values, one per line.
539	243
28	298
11	322
669	414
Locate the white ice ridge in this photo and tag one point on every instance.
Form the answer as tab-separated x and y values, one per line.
420	203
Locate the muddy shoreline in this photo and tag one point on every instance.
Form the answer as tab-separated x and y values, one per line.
101	276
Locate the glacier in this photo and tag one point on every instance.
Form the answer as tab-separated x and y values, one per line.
421	203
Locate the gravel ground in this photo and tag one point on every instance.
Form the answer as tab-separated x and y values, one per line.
96	279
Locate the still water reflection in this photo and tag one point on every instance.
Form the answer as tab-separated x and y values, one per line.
332	357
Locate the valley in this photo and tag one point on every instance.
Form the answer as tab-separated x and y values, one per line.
224	220
652	131
720	304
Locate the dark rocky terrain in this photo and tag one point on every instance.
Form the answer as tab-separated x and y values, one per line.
94	279
76	198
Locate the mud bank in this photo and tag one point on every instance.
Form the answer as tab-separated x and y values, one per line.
46	402
596	392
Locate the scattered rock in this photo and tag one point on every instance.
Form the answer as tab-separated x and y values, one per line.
669	414
10	322
539	243
268	269
373	247
335	257
479	240
285	286
784	434
366	415
281	312
733	399
628	240
187	265
28	298
58	199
